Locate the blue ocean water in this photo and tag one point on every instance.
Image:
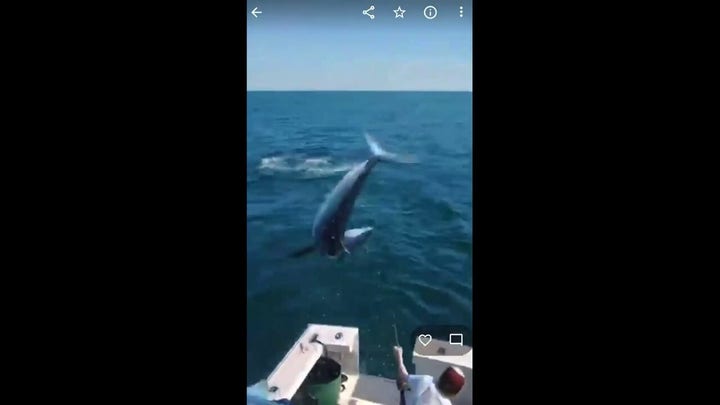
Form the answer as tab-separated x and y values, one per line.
416	267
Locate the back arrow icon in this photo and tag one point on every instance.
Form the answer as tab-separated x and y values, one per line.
255	12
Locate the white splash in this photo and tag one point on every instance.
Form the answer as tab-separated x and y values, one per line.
307	167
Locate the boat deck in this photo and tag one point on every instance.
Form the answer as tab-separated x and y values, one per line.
341	344
367	390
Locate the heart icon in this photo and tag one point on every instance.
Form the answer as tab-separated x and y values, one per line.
424	339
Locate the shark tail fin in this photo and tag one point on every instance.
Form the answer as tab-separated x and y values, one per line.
385	156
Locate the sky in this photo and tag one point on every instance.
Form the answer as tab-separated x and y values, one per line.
331	45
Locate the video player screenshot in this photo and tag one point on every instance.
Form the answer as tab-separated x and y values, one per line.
370	147
359	202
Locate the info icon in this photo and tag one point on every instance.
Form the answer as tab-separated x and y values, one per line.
430	12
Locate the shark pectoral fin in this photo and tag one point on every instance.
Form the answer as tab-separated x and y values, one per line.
355	237
303	251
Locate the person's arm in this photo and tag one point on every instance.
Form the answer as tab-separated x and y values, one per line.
402	371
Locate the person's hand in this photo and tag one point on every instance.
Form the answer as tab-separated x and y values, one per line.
397	350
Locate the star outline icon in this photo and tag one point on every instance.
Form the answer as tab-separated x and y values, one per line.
400	13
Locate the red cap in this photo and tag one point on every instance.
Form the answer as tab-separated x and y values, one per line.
451	381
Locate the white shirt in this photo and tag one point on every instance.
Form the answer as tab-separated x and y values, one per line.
423	392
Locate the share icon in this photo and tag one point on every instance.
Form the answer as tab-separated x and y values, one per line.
367	12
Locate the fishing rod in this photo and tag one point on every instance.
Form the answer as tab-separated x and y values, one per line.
402	386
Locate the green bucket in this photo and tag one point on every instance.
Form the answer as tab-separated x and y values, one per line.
323	385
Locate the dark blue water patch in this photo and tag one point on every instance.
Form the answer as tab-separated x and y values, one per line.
333	130
313	150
